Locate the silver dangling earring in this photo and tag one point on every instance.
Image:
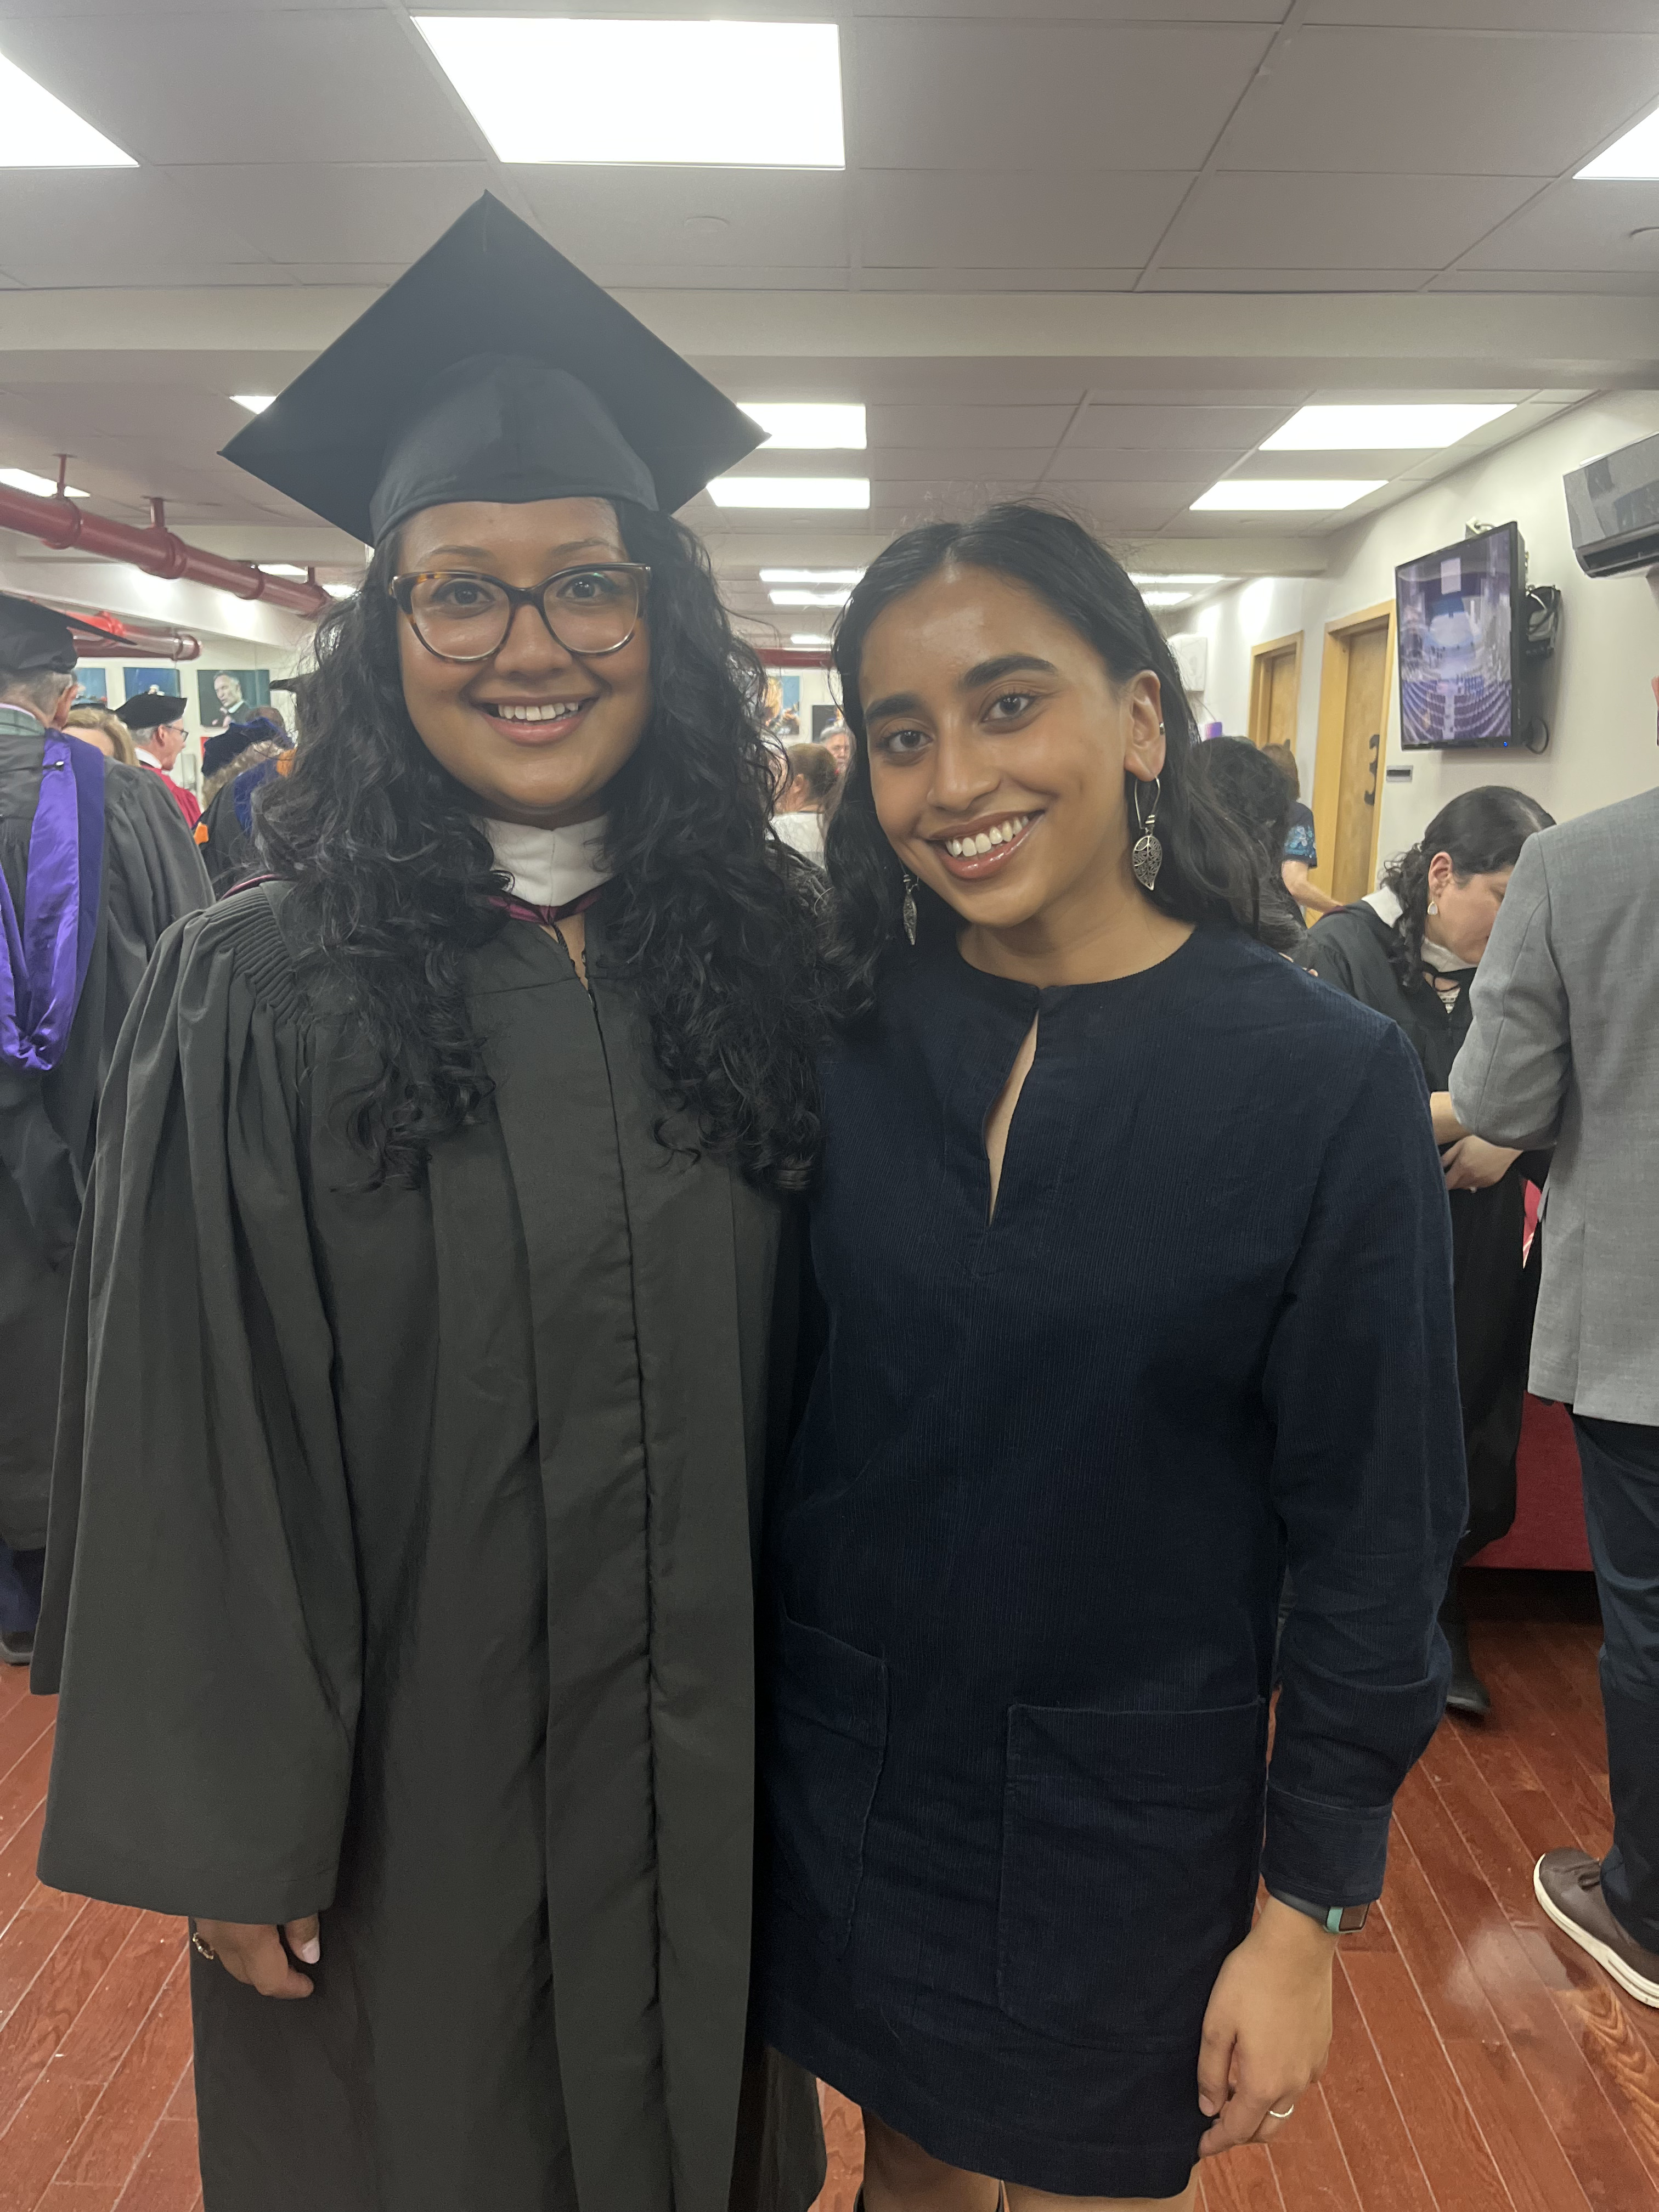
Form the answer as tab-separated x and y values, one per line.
1433	909
910	907
1147	858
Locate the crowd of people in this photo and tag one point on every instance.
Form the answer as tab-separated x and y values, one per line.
695	1403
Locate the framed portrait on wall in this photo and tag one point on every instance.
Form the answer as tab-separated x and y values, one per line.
140	680
93	687
780	717
230	695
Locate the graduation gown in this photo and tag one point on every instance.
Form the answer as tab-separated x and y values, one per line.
1495	1288
401	1567
150	876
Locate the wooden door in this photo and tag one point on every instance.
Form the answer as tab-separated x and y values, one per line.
1275	691
1355	683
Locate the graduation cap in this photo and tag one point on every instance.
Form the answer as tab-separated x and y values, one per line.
151	710
32	637
492	369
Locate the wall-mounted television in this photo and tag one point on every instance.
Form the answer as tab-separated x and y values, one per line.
1460	615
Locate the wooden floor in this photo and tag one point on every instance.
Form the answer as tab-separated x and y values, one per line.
1481	2063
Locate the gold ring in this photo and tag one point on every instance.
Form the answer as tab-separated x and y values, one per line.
204	1950
1285	2115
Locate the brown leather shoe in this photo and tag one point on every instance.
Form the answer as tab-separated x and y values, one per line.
1568	1885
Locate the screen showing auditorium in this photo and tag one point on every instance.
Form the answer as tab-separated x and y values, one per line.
1456	614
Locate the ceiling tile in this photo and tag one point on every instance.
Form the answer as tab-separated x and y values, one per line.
1174	429
889	426
1582	227
1586	16
274	85
1110	464
1286	280
64	228
1025	278
1546	280
1446	103
1045	96
1261	219
695	220
324	212
967	220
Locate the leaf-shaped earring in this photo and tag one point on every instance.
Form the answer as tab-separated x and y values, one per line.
910	907
1147	858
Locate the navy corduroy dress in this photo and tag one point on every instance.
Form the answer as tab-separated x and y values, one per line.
1024	1564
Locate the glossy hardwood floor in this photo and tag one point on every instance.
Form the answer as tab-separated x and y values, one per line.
1481	2063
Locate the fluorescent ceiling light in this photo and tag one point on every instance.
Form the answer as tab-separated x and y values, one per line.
42	487
1635	154
1266	495
733	95
1140	576
339	591
810	637
255	402
811	575
790	491
1166	599
809	423
808	599
1372	429
278	569
41	133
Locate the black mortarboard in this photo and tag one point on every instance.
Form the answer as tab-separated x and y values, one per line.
574	397
33	637
151	710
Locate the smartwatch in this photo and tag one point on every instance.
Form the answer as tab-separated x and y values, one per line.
1335	1919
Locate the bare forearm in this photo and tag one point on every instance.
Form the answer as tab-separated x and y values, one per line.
1303	889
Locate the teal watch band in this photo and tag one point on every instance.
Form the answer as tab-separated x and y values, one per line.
1335	1919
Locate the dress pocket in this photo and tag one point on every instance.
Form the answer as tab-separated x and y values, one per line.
826	1738
1130	1844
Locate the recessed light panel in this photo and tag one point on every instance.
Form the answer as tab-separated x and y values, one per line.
1166	599
1635	154
40	133
790	491
1139	576
279	569
1376	430
255	402
42	487
810	637
1282	495
809	424
732	95
811	575
796	598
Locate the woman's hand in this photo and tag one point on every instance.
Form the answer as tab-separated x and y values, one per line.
1473	1165
1267	2028
257	1955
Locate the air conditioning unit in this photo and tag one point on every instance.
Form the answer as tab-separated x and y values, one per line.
1612	511
1191	649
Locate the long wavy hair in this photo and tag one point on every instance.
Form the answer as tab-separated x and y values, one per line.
1479	831
712	921
1209	872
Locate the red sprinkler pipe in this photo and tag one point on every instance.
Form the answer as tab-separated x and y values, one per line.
59	523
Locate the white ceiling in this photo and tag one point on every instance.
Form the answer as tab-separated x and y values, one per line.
1096	251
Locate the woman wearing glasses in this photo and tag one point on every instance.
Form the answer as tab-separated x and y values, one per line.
400	1566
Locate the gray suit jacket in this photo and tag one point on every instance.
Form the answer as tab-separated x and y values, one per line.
1564	1051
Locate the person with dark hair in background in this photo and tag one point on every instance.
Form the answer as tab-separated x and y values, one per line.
94	863
1301	852
237	763
1252	792
438	1232
1412	950
157	720
1133	1253
810	786
1564	1050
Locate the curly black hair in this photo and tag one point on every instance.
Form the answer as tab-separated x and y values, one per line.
1480	831
1209	872
712	920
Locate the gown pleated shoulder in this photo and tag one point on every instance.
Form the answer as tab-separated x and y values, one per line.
400	1566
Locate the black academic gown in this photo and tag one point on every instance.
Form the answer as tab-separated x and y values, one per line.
1495	1291
151	875
441	1501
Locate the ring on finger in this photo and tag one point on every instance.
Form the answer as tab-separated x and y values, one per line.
203	1950
1275	2115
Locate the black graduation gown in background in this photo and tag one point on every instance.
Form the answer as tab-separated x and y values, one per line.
1495	1291
151	876
442	1501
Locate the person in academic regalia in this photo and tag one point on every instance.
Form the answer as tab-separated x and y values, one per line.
157	720
94	863
237	763
400	1587
1411	949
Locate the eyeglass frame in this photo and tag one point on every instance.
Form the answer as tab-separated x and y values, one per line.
401	590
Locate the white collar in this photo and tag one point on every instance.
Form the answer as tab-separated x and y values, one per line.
551	868
1385	904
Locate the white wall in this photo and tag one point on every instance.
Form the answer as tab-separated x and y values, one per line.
1596	694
